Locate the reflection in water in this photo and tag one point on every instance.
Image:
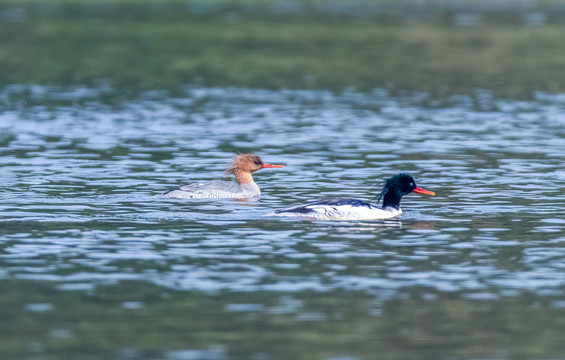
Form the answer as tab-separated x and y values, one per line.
78	209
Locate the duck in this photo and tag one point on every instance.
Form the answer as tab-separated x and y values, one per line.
244	187
353	209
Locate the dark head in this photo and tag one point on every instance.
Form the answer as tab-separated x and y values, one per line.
398	186
248	163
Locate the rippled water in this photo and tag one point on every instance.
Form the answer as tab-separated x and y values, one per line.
80	220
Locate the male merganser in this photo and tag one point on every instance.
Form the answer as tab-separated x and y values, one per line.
242	167
351	209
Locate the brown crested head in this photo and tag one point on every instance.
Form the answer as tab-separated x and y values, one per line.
245	163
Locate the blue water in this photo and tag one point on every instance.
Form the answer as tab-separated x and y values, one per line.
80	219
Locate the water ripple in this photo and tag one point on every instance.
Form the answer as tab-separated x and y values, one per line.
78	205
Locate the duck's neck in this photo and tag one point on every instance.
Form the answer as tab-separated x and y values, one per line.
392	199
243	177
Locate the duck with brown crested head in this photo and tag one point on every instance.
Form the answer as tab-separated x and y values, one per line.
244	187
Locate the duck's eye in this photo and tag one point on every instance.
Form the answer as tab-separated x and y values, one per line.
412	185
258	162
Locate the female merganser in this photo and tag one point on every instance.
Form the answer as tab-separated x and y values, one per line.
242	167
351	209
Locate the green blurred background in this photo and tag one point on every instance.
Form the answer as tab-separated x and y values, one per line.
511	47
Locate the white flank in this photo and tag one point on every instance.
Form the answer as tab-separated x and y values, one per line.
344	212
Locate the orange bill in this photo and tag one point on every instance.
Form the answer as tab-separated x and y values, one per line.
265	165
419	190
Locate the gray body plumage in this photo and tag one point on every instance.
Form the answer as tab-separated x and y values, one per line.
215	189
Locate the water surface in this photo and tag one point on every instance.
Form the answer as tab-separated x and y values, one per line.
94	265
